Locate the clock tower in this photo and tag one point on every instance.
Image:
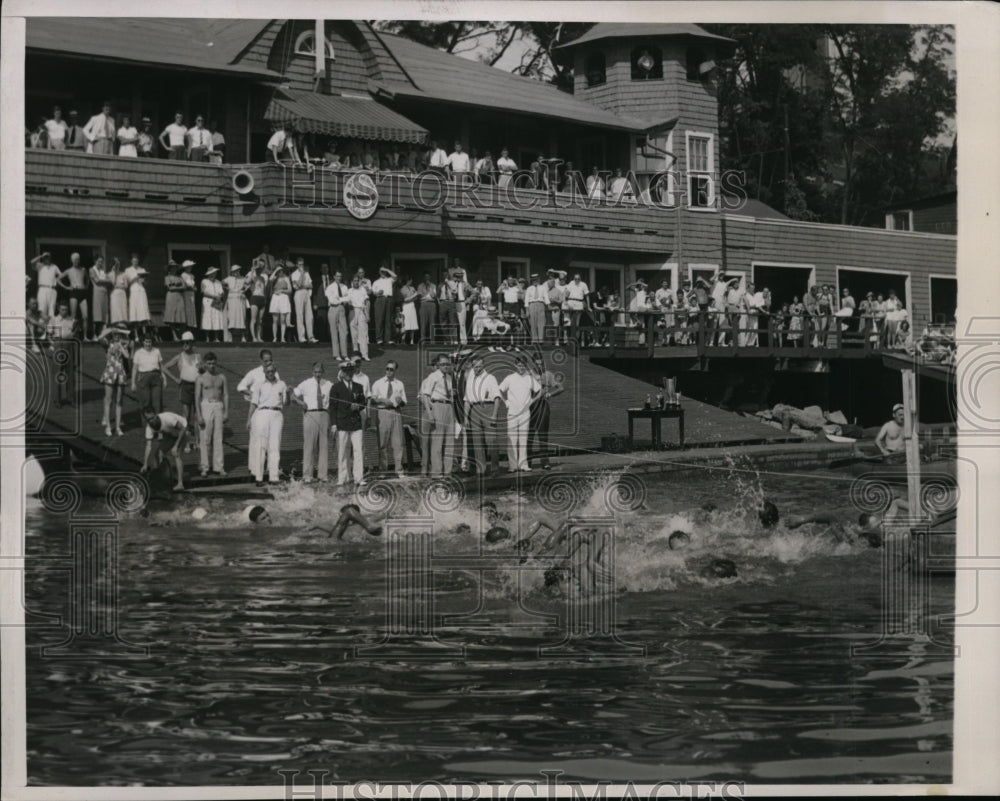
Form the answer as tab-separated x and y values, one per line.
663	75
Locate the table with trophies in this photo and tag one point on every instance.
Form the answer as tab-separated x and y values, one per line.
666	405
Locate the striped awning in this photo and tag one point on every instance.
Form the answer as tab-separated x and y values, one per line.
348	117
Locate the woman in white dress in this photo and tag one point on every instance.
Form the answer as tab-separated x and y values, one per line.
236	305
119	294
595	185
506	166
213	300
410	324
138	303
281	305
128	137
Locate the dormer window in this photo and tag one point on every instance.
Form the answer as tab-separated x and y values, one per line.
305	45
594	70
647	63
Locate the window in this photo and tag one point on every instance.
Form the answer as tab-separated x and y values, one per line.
306	44
695	58
899	221
700	170
594	69
944	299
647	63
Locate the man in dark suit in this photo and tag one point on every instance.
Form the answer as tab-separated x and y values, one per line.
347	401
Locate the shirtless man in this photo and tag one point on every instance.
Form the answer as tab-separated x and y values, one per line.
74	280
890	438
211	403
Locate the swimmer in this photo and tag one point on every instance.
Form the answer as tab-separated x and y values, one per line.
256	514
716	567
678	540
350	513
871	528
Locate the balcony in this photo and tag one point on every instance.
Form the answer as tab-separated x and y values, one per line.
80	186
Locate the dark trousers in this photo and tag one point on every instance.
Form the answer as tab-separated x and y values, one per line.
538	430
383	319
321	323
448	319
428	317
483	434
149	385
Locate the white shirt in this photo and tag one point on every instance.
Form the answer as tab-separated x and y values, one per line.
269	395
459	161
664	296
364	381
506	164
390	390
439	158
100	126
357	297
301	279
200	137
485	296
382	286
306	391
56	130
172	423
719	294
519	388
251	379
510	294
175	134
537	293
576	291
336	292
435	386
48	274
481	388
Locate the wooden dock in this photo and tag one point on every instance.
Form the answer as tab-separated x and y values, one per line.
593	407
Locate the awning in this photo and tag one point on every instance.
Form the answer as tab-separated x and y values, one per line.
348	117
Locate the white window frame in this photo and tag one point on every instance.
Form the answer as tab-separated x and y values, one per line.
63	240
329	54
930	292
418	256
668	266
909	283
890	220
172	246
692	173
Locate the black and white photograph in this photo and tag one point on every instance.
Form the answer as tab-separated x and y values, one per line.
587	402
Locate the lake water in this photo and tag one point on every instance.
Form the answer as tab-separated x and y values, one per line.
257	657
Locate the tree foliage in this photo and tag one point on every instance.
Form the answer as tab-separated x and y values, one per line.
828	122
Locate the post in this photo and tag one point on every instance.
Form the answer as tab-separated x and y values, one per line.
912	440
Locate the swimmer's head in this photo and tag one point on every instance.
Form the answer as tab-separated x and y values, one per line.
257	514
200	513
868	521
497	534
678	540
489	511
708	507
768	514
719	568
463	528
353	507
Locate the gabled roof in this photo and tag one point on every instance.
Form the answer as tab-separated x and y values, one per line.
200	44
453	79
617	30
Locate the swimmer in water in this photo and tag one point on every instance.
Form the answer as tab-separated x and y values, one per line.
350	513
715	567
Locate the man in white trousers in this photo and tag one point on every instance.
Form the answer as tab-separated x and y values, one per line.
302	285
265	422
357	300
313	395
518	390
336	294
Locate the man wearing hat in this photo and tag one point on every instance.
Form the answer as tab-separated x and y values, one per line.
347	400
213	300
536	298
313	395
437	396
383	289
890	437
147	142
302	285
75	140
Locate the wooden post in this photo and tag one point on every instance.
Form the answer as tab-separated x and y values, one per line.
912	440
